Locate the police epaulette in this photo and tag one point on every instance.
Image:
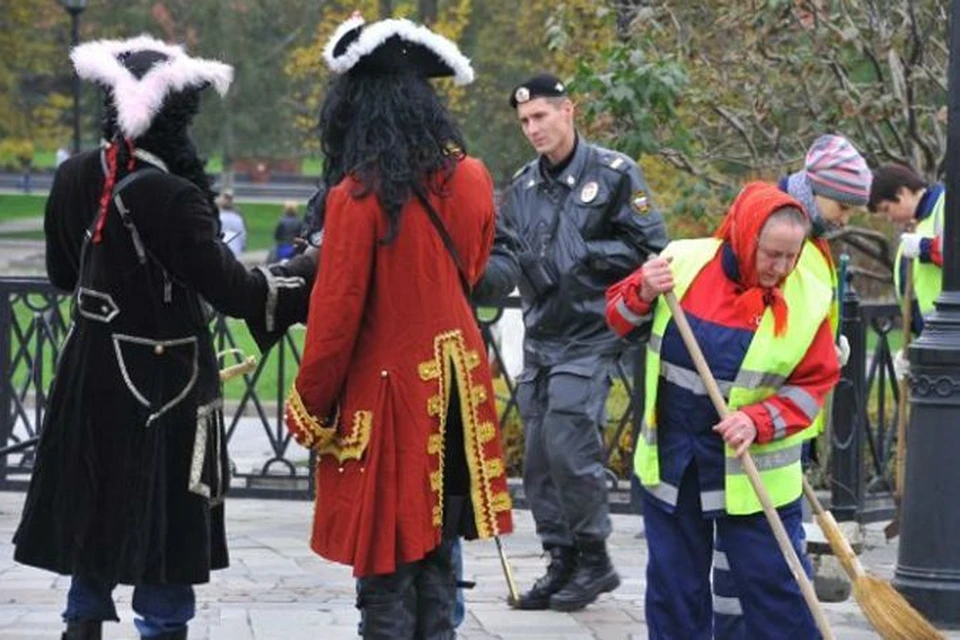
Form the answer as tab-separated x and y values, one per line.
615	161
522	170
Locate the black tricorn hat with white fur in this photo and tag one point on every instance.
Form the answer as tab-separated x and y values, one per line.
395	46
141	72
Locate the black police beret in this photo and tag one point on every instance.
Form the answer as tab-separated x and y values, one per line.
542	85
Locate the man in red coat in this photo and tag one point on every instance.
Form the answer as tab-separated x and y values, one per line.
394	392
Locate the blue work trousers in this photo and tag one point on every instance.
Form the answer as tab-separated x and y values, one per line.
754	594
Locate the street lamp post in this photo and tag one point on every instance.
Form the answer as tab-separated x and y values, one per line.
928	561
75	8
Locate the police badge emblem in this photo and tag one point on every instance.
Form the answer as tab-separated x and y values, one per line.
522	95
589	192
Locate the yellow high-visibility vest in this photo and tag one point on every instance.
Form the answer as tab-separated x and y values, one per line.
927	277
767	365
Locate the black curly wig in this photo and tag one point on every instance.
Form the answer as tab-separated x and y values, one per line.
390	131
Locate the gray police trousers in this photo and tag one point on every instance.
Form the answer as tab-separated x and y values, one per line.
563	408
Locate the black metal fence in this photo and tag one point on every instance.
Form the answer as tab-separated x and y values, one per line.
863	428
34	318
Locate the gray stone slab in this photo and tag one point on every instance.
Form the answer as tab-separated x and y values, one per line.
278	589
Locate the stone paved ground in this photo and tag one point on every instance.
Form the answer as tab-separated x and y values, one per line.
277	589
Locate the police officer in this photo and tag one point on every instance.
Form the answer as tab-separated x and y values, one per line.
576	219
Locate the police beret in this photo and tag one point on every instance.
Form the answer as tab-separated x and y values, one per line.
542	85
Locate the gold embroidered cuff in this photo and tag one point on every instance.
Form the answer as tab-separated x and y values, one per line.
308	430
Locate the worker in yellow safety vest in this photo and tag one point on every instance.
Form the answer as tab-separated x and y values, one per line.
765	331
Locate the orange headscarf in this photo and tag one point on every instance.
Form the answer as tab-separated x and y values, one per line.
740	229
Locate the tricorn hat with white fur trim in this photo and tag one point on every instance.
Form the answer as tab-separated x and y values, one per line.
141	72
395	46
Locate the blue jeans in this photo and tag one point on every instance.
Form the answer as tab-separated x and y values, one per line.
163	608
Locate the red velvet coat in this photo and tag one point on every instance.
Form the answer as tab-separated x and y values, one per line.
372	392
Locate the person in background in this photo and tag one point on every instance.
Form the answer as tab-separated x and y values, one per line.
286	232
833	184
763	326
233	229
915	207
62	155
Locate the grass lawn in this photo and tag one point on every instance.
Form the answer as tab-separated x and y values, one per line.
48	159
261	218
21	206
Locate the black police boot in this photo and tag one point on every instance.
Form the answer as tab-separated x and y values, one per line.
82	630
594	576
563	564
170	635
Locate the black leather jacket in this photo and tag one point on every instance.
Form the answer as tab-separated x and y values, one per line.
563	240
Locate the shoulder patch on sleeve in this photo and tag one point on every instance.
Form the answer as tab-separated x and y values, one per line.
640	202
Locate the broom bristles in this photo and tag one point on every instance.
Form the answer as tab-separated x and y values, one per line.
890	613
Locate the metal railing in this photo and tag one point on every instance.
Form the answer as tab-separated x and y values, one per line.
863	429
35	320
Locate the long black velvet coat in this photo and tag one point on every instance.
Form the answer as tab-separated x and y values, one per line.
131	466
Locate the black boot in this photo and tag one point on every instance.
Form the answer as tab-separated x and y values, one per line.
563	564
82	630
170	635
594	576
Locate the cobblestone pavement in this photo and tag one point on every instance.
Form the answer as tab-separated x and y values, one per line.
277	589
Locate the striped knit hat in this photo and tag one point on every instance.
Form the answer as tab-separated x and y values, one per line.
836	170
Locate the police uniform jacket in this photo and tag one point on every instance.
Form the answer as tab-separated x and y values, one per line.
563	240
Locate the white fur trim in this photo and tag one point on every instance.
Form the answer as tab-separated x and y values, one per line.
379	32
139	101
342	30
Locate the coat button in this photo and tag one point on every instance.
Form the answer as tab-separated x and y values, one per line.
105	309
158	349
383	373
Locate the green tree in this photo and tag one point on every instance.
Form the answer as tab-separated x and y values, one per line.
33	90
252	35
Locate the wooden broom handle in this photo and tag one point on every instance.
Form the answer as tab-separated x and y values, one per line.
904	384
779	532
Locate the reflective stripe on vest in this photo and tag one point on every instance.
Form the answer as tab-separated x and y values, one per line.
927	277
767	365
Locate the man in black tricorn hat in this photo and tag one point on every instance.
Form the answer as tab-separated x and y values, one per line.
131	465
577	219
394	393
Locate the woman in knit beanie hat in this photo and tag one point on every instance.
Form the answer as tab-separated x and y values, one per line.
834	182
